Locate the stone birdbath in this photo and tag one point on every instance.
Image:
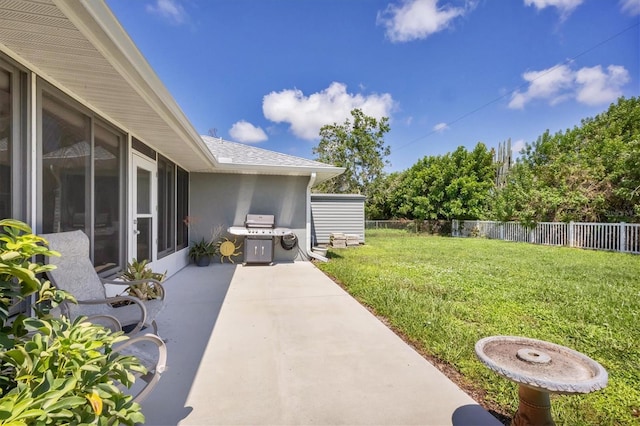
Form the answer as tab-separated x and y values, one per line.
539	368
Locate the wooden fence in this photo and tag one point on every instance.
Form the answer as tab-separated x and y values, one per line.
622	237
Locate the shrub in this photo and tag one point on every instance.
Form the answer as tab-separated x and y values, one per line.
54	371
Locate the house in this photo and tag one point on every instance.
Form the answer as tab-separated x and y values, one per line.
91	139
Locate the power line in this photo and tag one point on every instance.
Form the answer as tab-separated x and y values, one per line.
521	86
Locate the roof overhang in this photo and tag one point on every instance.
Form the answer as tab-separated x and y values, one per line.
81	48
322	173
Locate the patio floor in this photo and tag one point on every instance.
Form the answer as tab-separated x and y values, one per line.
285	345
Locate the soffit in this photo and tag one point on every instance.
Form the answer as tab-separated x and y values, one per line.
81	48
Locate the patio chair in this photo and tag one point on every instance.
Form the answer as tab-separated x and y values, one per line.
155	361
150	350
75	274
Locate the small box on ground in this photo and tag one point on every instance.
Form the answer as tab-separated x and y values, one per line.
338	240
353	240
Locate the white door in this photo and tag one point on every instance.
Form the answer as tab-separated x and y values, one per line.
144	209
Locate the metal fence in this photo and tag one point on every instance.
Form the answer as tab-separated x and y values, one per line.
440	227
622	237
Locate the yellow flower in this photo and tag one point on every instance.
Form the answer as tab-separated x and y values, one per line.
96	402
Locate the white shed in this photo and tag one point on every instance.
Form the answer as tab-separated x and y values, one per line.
336	213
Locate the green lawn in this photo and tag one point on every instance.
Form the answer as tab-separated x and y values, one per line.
446	293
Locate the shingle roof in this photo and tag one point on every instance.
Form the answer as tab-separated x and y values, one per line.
233	157
227	152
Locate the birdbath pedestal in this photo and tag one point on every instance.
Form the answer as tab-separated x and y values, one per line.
539	368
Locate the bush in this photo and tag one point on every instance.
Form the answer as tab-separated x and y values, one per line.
54	371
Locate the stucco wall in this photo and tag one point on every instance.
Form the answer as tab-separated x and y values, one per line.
225	199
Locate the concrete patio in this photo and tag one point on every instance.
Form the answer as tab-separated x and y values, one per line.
284	345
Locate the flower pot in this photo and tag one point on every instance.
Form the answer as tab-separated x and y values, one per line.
203	261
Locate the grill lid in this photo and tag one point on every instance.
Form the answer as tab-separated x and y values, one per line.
260	221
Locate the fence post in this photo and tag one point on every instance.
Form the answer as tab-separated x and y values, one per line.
571	234
454	227
623	237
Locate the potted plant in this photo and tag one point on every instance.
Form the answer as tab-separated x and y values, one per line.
140	271
202	251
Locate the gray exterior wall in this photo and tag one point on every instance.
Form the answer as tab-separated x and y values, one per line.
336	213
225	199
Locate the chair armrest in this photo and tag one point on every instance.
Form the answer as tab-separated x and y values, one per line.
96	319
116	282
153	281
110	300
155	371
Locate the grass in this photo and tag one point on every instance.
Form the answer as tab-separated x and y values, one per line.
444	294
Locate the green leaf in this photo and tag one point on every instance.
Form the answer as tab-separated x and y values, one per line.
67	402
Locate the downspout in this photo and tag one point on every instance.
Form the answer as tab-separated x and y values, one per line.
308	249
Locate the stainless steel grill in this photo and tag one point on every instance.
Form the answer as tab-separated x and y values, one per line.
259	232
260	221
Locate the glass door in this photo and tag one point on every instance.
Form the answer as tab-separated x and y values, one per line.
144	205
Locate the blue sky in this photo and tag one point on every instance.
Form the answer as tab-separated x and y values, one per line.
446	72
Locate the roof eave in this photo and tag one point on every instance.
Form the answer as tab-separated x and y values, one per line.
97	23
322	173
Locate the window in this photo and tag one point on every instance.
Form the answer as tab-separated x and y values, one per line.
13	173
66	167
166	206
182	207
6	142
82	178
13	120
108	203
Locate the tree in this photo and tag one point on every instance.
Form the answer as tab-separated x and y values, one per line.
589	173
382	199
359	147
451	186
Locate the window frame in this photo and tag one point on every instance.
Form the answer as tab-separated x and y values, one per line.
182	208
18	150
166	177
42	87
18	146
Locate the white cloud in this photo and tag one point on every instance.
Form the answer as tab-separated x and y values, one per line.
417	19
564	6
171	10
440	127
589	86
307	114
598	87
551	84
632	7
517	146
245	132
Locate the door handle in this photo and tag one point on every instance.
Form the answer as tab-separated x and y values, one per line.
262	254
255	250
136	232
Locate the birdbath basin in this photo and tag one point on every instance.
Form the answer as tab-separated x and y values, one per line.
539	368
